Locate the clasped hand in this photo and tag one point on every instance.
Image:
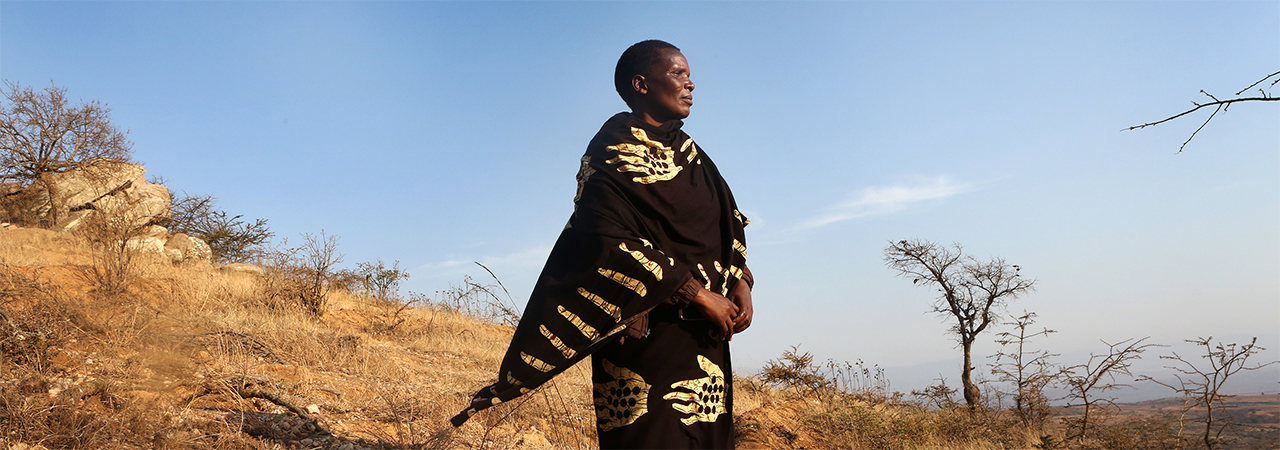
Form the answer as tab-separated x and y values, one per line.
728	315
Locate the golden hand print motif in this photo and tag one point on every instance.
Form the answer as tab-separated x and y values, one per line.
740	247
652	160
621	401
725	273
643	260
706	397
689	145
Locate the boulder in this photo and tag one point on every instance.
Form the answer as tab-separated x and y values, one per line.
74	219
140	205
155	231
7	189
115	188
188	248
150	244
95	179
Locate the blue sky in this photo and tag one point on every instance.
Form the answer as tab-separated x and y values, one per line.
442	133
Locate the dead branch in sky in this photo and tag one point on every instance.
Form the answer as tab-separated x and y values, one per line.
1219	105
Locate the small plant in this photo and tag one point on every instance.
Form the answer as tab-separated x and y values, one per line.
109	232
379	281
1029	371
938	395
479	300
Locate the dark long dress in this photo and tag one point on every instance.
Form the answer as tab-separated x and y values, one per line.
651	213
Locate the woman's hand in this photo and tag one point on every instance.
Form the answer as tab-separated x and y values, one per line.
741	297
720	310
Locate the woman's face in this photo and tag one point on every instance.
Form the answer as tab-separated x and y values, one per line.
666	93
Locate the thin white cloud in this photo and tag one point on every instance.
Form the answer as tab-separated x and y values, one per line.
521	261
883	200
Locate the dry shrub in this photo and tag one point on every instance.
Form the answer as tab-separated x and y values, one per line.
1145	433
478	300
21	206
849	405
35	317
300	276
230	239
411	421
108	233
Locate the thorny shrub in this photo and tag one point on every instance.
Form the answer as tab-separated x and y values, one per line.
230	239
299	277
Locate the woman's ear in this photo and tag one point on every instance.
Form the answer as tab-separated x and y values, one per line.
638	85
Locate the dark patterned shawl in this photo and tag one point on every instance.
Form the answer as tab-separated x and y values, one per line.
651	211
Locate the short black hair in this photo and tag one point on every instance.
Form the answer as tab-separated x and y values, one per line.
636	61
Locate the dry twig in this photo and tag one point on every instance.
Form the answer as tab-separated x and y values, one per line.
1219	105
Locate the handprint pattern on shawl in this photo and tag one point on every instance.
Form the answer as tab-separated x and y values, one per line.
706	397
621	401
652	160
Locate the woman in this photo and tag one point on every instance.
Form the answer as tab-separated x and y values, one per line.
649	275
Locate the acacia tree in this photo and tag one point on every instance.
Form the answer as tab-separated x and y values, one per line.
1202	386
42	134
972	293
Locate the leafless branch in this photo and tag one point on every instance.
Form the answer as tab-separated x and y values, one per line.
1273	83
1088	382
1218	105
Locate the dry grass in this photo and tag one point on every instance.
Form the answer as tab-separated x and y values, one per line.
189	357
181	351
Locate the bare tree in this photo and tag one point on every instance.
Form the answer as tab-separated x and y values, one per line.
972	293
42	134
1203	387
1029	371
1088	383
1220	105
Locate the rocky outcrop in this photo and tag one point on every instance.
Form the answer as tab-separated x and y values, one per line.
139	205
95	181
104	189
181	247
99	187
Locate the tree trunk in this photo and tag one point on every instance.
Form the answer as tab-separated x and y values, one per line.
55	201
1208	426
966	380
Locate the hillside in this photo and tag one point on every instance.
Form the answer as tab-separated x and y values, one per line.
191	357
188	356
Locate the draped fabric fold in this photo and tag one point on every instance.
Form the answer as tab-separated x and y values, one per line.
651	211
